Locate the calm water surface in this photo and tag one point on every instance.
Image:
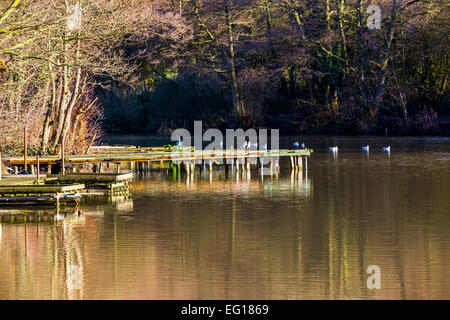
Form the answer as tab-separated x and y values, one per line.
308	236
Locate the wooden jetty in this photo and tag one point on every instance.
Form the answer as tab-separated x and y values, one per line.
62	188
140	158
70	186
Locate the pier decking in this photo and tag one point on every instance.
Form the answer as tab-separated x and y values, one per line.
32	194
158	156
112	184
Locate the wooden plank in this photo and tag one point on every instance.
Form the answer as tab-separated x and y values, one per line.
93	177
21	179
46	188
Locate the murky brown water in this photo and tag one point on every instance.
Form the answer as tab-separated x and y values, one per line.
289	237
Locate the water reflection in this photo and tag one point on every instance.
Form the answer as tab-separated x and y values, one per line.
295	235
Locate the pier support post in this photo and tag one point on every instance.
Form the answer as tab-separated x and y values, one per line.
63	169
261	166
210	165
38	167
25	146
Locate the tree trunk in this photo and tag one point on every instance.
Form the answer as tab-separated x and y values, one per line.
231	64
382	76
63	101
74	97
49	113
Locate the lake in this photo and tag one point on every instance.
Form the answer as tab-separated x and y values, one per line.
292	236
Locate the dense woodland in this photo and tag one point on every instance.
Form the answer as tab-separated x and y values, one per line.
72	70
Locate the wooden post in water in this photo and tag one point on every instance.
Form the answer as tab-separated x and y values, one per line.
300	163
261	166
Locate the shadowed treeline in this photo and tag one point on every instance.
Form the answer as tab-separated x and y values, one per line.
298	65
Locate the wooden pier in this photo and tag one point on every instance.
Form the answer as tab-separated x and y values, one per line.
139	159
65	186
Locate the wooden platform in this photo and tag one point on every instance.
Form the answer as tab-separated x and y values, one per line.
110	184
40	194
